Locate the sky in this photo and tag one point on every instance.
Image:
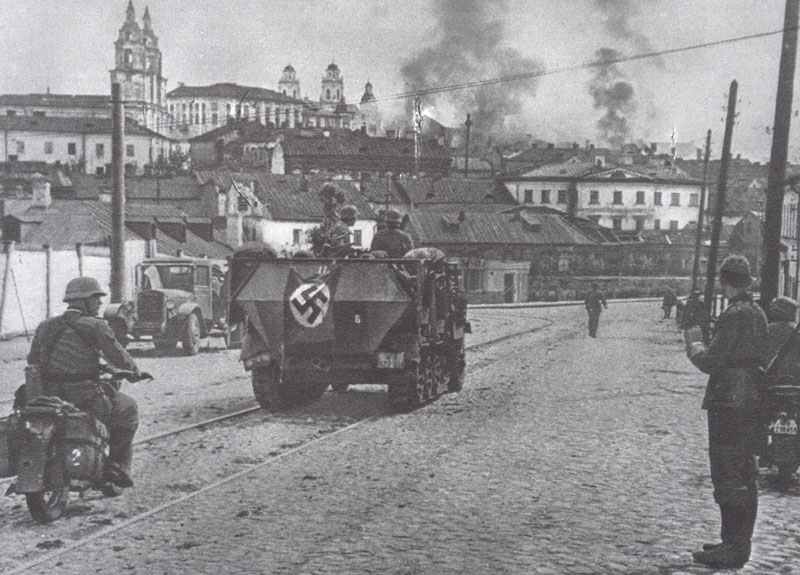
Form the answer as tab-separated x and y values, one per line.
67	46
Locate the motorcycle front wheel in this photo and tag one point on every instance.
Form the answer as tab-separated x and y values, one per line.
47	506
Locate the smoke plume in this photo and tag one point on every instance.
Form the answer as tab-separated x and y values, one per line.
613	94
469	47
616	15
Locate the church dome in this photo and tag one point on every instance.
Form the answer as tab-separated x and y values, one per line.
289	69
332	67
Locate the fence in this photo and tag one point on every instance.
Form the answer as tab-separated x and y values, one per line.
34	278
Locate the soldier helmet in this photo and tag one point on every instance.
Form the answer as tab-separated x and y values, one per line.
782	309
393	218
82	288
735	271
348	213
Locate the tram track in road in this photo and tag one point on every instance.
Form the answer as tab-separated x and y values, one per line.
322	435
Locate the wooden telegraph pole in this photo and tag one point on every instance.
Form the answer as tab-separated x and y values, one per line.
719	204
468	125
698	241
777	161
118	195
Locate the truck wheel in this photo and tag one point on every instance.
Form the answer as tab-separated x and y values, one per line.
120	332
340	387
312	392
47	506
191	335
268	387
455	368
164	344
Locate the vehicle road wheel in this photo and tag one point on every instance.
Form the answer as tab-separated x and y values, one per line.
191	335
415	386
47	506
312	392
786	473
455	368
120	332
164	344
340	387
268	387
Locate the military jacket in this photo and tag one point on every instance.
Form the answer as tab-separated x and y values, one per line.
392	241
735	357
595	301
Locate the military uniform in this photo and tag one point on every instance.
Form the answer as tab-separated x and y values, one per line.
67	350
395	242
781	314
733	394
594	302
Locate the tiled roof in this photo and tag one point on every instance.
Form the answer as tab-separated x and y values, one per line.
232	91
576	168
519	227
245	131
475	164
344	143
68	222
56	100
455	191
168	189
70	125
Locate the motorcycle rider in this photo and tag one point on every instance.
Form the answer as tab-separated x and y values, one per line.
733	360
67	350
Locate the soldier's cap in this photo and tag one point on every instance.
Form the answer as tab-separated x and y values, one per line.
735	270
782	308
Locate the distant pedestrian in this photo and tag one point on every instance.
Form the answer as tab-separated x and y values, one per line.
694	313
595	302
668	302
733	359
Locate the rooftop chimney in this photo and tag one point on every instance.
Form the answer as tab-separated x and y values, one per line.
41	193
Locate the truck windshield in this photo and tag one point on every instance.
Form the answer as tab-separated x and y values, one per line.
168	277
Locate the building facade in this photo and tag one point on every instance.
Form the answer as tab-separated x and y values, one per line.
138	70
62	105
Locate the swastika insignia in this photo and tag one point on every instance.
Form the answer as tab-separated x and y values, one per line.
309	304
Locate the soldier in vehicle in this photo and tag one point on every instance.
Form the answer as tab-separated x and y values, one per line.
595	302
733	359
67	350
393	241
340	243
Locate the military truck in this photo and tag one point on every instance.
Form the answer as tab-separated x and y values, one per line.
313	322
176	299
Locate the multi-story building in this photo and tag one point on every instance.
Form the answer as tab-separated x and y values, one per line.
138	70
63	105
81	143
621	197
331	110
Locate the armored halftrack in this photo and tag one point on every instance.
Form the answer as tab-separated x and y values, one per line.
313	322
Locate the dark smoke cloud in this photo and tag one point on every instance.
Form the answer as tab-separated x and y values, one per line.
469	47
617	14
613	94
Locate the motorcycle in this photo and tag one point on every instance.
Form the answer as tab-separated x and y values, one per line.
56	448
782	447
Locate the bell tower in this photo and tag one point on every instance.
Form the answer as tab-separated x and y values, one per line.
332	85
137	68
289	85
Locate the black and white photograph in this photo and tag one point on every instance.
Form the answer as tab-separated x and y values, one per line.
380	287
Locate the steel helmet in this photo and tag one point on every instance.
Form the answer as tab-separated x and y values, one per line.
735	270
782	308
393	218
82	288
348	213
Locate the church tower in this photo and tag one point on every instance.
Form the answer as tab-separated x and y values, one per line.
369	114
289	85
137	68
332	85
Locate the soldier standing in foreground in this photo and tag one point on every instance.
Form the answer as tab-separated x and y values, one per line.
733	361
394	241
595	302
67	351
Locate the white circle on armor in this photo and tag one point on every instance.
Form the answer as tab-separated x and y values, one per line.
309	304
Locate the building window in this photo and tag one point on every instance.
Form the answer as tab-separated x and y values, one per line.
528	196
545	196
562	196
694	200
11	113
473	280
617	197
48	147
673	225
99	150
594	197
99	171
356	237
20	148
675	199
130	151
656	224
656	198
228	110
39	114
327	93
72	148
242	203
296	235
616	223
639	224
214	118
640	197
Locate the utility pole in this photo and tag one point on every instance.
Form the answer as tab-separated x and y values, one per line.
417	133
698	242
719	205
118	195
777	160
468	124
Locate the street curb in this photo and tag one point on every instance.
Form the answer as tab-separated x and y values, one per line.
535	304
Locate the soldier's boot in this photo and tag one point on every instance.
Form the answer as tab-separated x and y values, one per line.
738	522
120	457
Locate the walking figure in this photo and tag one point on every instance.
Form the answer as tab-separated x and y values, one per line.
668	302
595	302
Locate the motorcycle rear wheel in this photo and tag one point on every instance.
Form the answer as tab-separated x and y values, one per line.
47	506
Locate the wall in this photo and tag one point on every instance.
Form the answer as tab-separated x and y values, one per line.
24	282
576	287
280	234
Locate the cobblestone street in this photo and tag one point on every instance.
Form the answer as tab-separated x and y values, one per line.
563	454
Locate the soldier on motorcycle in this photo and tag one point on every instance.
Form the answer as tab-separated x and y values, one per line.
67	350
